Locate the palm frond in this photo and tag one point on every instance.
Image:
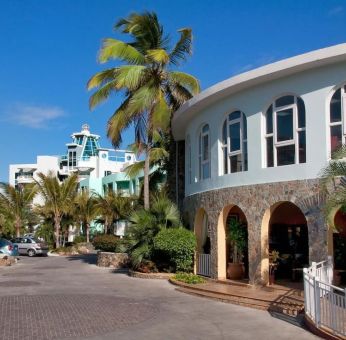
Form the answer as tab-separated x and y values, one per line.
183	47
135	169
117	49
186	80
103	93
160	114
159	56
102	78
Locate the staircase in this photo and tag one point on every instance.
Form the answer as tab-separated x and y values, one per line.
284	301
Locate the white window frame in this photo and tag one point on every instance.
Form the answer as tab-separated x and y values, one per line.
230	153
202	162
343	116
296	130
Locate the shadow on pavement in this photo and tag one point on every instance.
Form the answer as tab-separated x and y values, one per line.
87	258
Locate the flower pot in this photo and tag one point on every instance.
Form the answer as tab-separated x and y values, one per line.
235	271
271	279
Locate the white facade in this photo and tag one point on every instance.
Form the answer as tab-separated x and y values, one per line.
84	155
313	77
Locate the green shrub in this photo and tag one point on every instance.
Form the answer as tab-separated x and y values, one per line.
79	239
178	246
105	242
188	278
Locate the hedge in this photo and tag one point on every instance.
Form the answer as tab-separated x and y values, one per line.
177	244
105	242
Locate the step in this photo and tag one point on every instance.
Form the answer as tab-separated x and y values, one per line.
286	307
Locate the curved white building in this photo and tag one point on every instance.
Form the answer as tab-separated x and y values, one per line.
254	147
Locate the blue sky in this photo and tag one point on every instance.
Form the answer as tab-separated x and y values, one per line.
48	52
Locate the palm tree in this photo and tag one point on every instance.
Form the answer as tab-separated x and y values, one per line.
85	210
111	207
333	183
58	198
16	204
152	91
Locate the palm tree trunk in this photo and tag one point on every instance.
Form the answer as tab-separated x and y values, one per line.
17	225
87	226
57	231
146	181
105	227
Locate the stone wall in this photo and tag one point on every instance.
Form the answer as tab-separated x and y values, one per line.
255	201
113	260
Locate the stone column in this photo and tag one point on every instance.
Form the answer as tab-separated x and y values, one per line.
318	235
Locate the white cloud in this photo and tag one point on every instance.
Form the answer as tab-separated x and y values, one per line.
335	11
33	116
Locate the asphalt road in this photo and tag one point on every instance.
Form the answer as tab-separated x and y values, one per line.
71	298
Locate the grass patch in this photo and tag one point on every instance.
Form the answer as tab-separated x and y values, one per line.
188	278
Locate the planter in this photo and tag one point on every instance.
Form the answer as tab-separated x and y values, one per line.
113	260
235	271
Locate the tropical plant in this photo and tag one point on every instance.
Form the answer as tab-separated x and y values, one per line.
85	210
237	237
111	207
274	257
152	91
16	204
58	198
178	246
333	184
146	224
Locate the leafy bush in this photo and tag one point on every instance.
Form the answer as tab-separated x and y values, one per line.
178	246
105	242
188	278
79	239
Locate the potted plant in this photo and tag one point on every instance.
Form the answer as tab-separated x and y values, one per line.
237	237
274	257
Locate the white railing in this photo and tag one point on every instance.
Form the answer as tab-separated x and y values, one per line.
203	264
325	304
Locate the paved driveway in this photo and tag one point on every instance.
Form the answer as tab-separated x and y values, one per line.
71	298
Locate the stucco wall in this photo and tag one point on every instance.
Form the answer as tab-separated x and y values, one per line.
314	87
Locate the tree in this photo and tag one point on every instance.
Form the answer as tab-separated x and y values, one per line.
85	210
58	198
111	207
16	204
152	91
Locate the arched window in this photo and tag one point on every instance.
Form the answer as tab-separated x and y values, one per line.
204	153
337	111
285	132
188	160
234	143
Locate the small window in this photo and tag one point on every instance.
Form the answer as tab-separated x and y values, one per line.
337	119
285	136
204	153
234	143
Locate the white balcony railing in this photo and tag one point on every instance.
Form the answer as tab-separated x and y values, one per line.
325	304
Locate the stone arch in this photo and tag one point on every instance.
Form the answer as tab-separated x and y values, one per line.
222	237
289	213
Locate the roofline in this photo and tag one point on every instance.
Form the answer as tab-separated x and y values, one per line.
276	70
